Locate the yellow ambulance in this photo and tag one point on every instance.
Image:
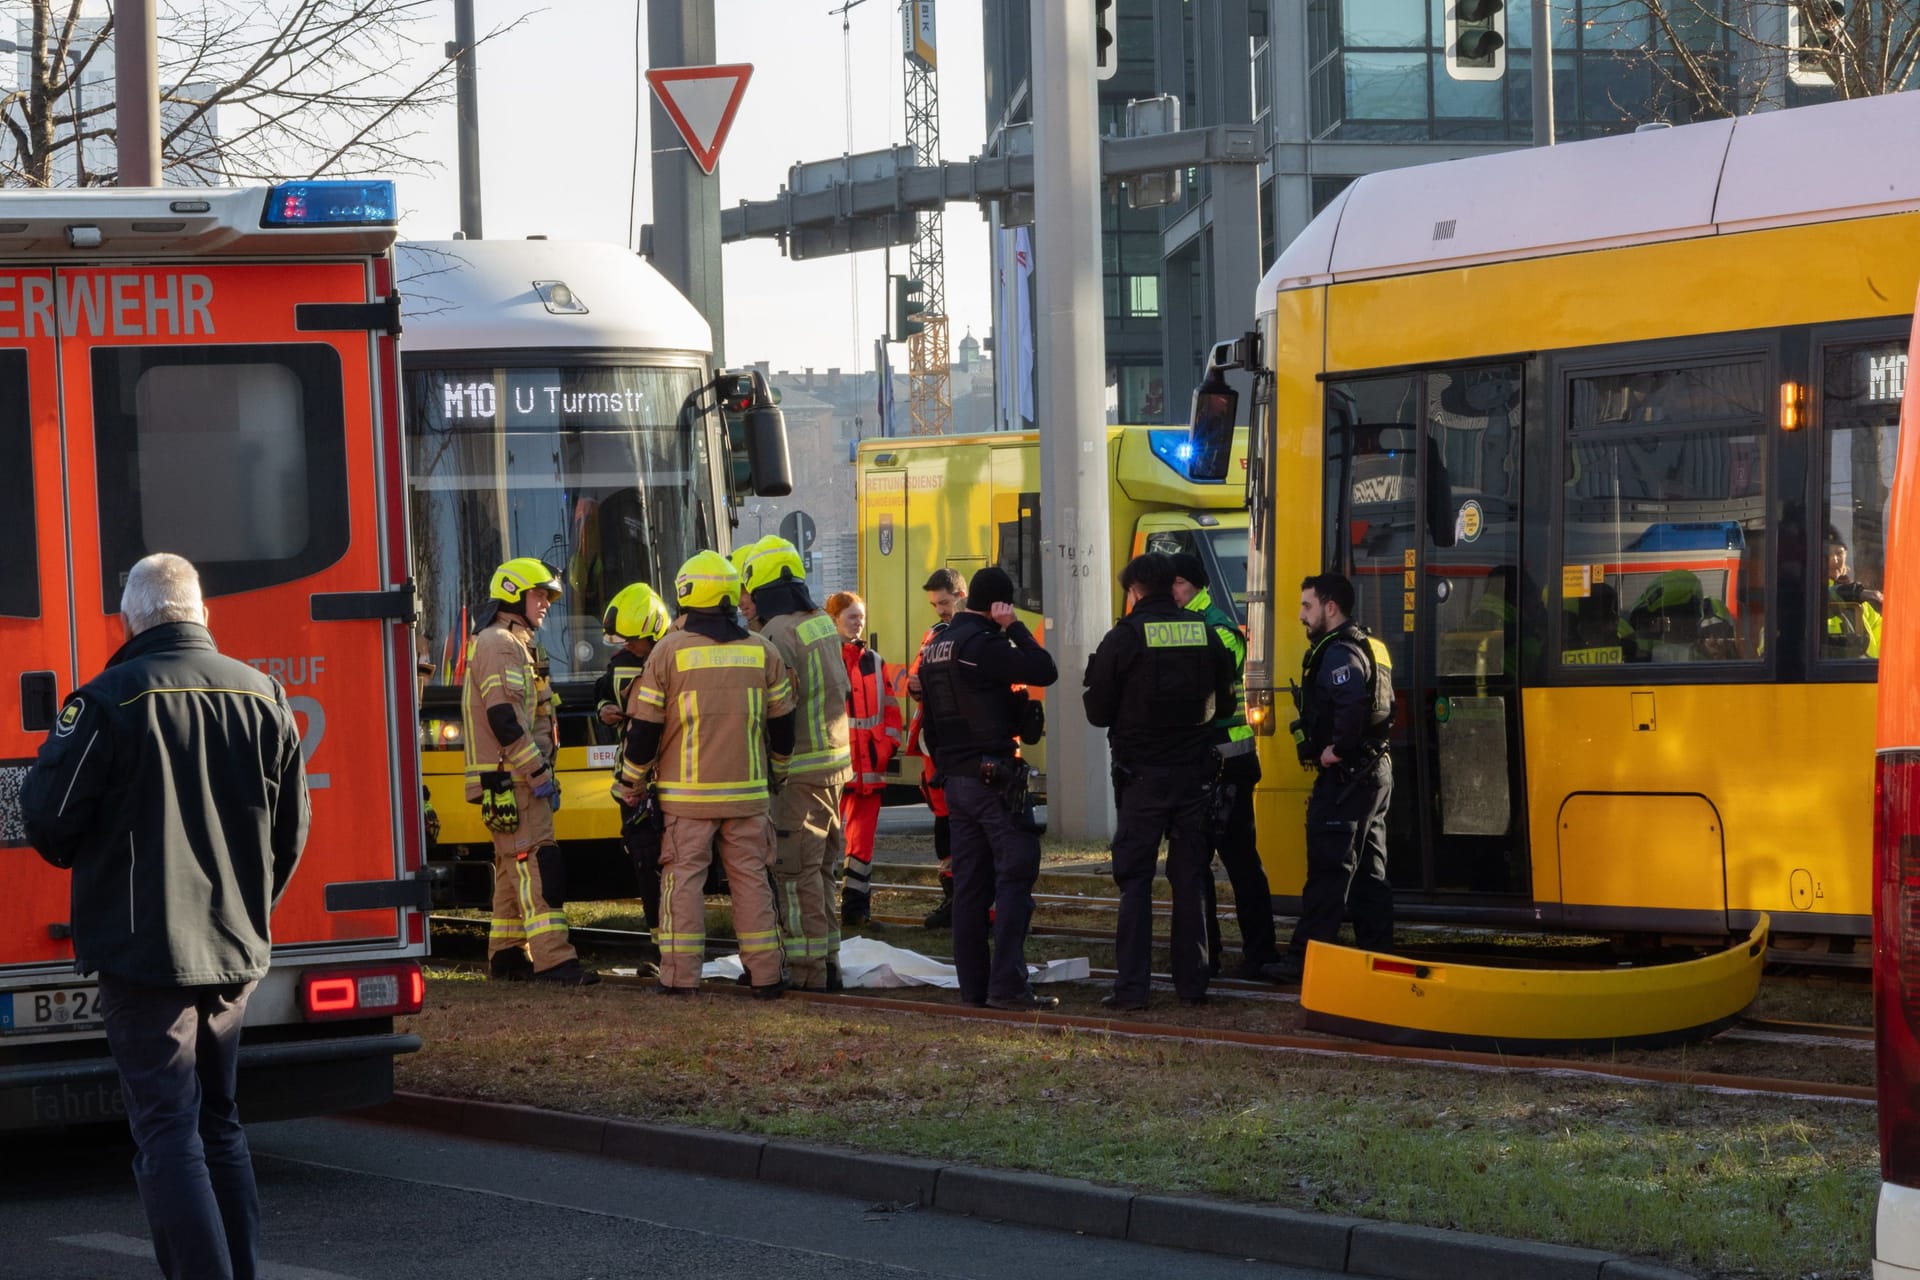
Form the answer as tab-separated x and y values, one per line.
969	501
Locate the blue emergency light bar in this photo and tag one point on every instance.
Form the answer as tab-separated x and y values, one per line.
1174	446
331	204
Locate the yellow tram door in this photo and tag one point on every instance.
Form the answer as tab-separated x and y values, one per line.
1423	491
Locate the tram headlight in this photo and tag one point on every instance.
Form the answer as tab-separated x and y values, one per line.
1260	711
449	735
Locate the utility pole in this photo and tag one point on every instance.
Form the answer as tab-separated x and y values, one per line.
1069	333
467	111
136	96
686	200
1542	73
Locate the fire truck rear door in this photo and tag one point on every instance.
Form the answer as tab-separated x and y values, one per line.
224	411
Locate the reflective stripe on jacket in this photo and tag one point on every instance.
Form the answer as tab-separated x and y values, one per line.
808	642
713	699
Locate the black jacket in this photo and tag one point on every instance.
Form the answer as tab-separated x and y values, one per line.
1346	699
172	785
967	672
1155	683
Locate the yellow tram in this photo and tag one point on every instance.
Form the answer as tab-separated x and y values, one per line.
1603	434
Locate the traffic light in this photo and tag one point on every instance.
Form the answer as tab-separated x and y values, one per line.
909	307
1106	58
1477	40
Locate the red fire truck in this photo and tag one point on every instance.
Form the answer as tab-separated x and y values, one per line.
214	373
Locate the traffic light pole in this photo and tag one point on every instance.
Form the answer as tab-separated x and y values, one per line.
1077	583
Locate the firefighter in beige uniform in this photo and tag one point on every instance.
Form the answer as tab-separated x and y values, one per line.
710	727
509	738
806	812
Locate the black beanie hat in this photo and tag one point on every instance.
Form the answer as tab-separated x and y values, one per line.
990	586
1187	565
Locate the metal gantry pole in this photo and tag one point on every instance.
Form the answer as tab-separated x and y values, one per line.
1077	586
686	200
1542	73
466	88
136	96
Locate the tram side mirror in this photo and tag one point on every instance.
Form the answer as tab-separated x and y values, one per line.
1216	409
1441	516
767	451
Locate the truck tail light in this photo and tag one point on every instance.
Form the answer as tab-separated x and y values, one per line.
1896	961
362	991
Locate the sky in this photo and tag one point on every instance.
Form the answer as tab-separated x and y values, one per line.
557	127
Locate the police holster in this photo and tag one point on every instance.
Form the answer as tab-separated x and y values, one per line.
499	810
1008	776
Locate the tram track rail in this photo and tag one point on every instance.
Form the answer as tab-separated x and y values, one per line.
1775	1032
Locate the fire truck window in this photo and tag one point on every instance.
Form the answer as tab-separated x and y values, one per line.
1860	390
234	457
1664	553
20	572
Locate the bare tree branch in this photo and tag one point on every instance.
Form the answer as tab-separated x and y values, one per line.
252	90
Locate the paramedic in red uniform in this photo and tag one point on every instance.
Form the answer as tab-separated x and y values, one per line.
873	719
172	785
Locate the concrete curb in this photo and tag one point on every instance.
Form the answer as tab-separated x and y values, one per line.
1356	1246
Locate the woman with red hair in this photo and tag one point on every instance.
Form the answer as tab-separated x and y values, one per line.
873	716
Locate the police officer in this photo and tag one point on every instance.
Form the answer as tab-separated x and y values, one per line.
806	812
635	619
1346	707
1229	820
509	739
971	719
1154	684
946	594
710	728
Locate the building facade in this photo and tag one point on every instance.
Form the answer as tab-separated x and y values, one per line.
1339	89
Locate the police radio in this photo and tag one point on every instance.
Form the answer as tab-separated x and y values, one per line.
1032	719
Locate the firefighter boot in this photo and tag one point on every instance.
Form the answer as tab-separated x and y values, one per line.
568	973
856	908
834	981
941	917
511	965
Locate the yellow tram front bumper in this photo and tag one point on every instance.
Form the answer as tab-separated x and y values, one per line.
1438	1003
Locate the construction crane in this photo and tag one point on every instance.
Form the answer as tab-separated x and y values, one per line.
929	386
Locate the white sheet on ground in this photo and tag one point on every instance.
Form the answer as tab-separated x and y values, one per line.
865	962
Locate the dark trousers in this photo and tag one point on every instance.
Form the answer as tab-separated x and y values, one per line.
1156	799
994	866
1230	835
178	1051
943	844
1347	859
642	840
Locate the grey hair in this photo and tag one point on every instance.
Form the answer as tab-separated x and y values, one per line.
161	588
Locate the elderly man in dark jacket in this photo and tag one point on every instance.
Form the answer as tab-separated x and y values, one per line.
173	787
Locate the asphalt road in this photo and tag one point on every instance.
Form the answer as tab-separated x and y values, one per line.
347	1200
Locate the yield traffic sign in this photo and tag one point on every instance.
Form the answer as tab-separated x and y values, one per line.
701	101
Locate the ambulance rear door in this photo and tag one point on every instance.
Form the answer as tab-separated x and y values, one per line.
235	407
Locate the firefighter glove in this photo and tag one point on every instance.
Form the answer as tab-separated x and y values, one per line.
499	811
549	790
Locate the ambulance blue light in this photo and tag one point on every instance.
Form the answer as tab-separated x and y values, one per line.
1174	446
331	204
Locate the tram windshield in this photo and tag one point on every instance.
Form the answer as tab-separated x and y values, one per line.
601	471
